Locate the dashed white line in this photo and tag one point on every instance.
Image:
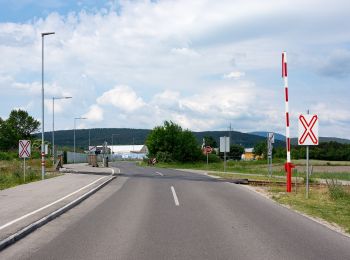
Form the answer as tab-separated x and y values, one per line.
161	174
176	200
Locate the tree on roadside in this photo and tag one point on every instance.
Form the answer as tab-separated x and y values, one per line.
260	149
19	125
171	143
210	141
236	151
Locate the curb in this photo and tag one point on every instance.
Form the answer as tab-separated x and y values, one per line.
30	228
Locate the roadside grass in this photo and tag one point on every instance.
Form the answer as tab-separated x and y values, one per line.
322	163
322	202
11	172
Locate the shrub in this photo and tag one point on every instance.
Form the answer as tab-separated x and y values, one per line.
337	191
8	156
164	157
212	158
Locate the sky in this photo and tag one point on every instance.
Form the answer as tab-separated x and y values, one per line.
203	64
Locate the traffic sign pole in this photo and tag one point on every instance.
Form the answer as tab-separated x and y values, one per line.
307	168
307	172
308	135
24	151
24	169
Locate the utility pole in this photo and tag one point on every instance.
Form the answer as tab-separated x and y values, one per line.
42	106
53	125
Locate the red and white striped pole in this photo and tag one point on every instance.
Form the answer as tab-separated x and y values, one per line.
288	165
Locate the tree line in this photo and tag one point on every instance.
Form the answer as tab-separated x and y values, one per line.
330	151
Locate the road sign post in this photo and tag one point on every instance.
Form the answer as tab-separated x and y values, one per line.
308	135
270	141
24	151
224	148
207	151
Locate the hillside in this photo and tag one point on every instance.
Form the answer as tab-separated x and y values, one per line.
138	136
264	134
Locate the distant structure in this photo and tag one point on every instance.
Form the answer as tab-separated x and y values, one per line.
249	155
128	151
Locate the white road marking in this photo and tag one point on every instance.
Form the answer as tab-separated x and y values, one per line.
175	197
49	205
161	174
113	170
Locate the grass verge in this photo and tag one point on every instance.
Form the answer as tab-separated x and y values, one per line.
329	203
11	173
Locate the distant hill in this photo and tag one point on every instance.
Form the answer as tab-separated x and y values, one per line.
138	136
264	134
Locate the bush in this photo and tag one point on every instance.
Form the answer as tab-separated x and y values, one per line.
8	156
164	157
337	191
212	158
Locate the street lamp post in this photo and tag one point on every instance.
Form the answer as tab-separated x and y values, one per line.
42	106
53	124
75	119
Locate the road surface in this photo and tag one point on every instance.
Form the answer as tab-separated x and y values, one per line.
150	213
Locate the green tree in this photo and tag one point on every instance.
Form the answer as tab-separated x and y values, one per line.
170	143
19	125
260	148
236	151
210	141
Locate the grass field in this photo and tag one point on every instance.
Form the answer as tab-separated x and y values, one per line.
11	172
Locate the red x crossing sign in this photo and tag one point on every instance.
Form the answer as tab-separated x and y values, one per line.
24	148
308	130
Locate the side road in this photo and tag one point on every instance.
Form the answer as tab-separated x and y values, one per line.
23	205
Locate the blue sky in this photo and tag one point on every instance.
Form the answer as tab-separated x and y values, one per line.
203	64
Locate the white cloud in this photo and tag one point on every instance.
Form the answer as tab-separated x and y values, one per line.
234	75
166	59
122	97
95	114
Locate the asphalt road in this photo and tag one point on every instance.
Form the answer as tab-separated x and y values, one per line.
150	213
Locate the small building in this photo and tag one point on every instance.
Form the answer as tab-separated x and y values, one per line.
249	155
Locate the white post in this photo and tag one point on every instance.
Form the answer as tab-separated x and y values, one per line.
74	143
207	159
53	130
307	171
24	169
307	167
42	110
225	155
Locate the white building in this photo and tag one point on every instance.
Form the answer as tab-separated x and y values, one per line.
128	151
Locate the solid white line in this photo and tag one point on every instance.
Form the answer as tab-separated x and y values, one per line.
175	197
161	174
49	205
